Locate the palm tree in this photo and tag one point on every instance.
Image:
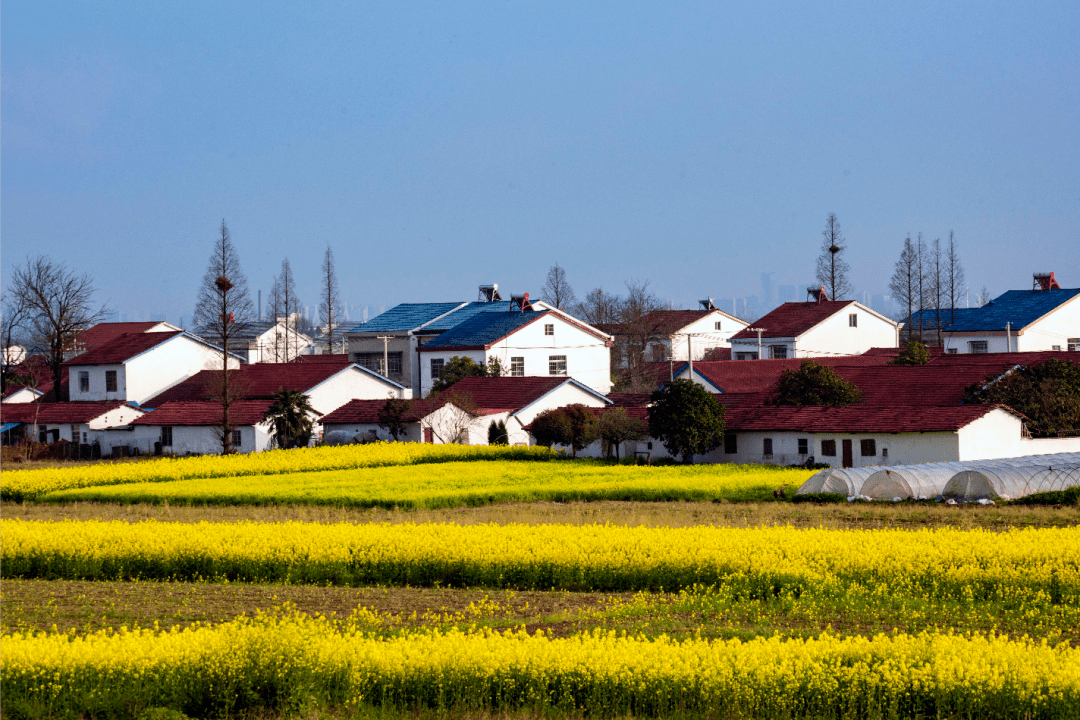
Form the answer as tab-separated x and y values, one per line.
291	418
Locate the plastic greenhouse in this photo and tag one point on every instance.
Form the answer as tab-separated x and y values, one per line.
928	480
1009	483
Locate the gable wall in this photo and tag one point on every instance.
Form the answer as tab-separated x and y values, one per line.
705	336
835	336
350	384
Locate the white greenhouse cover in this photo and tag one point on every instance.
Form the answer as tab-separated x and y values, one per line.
925	480
1009	483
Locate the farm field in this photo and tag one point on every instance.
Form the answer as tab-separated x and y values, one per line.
436	605
450	484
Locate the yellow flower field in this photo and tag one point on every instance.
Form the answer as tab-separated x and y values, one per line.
280	662
452	484
29	484
941	563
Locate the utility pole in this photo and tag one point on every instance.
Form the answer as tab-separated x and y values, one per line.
758	331
385	354
690	355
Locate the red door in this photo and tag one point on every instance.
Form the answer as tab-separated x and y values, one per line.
429	436
847	454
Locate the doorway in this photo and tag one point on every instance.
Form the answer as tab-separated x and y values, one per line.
848	460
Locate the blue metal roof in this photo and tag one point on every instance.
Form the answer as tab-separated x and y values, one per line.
405	317
1019	308
483	328
468	312
929	317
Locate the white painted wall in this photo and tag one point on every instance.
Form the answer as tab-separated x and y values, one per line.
834	336
413	431
352	383
144	376
705	336
998	434
24	395
567	394
588	358
188	440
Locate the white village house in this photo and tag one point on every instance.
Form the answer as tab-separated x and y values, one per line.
824	328
464	412
135	367
75	422
526	343
1047	317
265	341
675	334
392	343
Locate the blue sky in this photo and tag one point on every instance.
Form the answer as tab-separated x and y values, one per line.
439	146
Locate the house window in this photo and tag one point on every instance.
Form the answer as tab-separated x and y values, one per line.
868	448
884	452
853	320
1074	345
951	351
778	352
556	364
237	439
804	446
549	329
717	324
1055	348
84	381
517	367
828	448
768	447
436	368
731	445
110	381
977	346
746	356
166	436
374	361
74	433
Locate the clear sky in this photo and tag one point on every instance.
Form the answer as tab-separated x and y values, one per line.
438	146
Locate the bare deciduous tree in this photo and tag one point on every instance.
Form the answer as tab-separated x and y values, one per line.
222	309
285	306
557	290
58	305
832	269
12	320
456	415
599	307
904	283
938	286
921	279
954	273
330	301
984	296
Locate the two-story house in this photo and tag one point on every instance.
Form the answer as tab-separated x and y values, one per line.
527	343
823	328
135	367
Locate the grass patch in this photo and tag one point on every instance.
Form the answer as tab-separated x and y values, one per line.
868	516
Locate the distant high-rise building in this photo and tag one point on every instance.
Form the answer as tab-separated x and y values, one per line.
767	289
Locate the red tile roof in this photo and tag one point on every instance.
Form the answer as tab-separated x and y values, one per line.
122	348
793	319
259	380
755	375
717	354
61	413
857	418
102	333
241	412
629	400
367	411
505	394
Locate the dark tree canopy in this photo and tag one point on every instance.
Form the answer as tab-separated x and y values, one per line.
815	384
457	368
392	417
914	353
551	427
583	426
497	434
687	418
1048	394
290	416
616	426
